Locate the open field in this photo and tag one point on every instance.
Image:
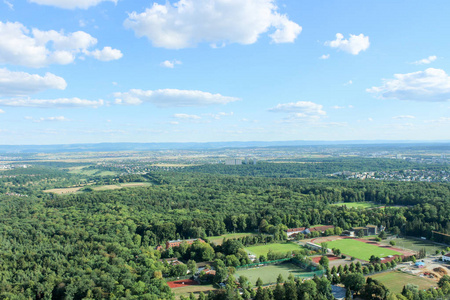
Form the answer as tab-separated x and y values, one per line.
264	249
84	171
195	289
395	280
219	238
270	273
72	190
358	204
415	244
360	249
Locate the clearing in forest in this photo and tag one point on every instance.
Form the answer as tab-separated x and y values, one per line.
395	280
361	250
280	248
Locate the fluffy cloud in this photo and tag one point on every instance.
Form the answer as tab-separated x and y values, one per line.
172	98
431	85
301	110
170	64
107	54
325	56
2	111
53	103
21	83
49	119
189	22
403	117
354	45
20	46
219	115
71	4
186	116
425	61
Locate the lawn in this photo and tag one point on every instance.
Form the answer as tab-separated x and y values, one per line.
264	249
395	280
269	274
219	239
359	249
416	245
358	204
196	289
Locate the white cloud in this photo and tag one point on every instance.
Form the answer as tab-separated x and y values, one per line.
325	56
170	63
2	111
172	98
219	115
425	61
338	107
354	45
21	83
431	85
107	54
49	119
71	4
9	4
370	119
186	116
301	110
349	82
36	48
53	103
403	117
189	22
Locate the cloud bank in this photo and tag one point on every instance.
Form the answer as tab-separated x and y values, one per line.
71	4
53	103
22	84
187	23
354	45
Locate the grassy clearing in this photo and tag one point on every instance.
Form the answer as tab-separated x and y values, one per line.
90	172
98	188
269	274
219	239
196	289
415	245
264	249
358	204
359	249
395	280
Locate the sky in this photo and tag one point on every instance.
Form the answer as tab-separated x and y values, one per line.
91	71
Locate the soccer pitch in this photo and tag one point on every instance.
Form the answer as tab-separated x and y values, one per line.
360	250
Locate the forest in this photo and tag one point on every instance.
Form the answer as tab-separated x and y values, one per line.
101	244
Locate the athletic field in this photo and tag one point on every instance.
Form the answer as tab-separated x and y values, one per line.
280	248
219	238
269	274
395	280
360	250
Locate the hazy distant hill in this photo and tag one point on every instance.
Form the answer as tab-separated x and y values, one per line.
107	147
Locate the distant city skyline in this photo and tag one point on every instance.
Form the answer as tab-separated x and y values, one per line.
112	71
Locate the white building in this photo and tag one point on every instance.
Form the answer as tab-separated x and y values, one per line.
446	257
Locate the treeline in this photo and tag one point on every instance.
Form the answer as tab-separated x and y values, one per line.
310	168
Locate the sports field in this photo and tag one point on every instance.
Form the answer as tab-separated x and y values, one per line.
360	250
264	249
395	280
269	274
415	245
219	238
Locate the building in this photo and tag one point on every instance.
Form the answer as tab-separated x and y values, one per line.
446	257
233	162
338	292
291	232
367	230
177	243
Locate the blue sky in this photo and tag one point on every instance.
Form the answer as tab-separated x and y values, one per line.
84	71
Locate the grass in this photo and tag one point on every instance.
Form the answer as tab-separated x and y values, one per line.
270	273
359	249
72	190
416	245
358	204
196	289
90	172
219	239
395	280
264	249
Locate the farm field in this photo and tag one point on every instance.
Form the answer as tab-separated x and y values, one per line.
415	244
72	190
264	249
270	273
219	239
395	280
360	249
84	171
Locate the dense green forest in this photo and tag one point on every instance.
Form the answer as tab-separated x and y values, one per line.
93	245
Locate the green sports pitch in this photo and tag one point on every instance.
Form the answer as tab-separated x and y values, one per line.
280	248
360	250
